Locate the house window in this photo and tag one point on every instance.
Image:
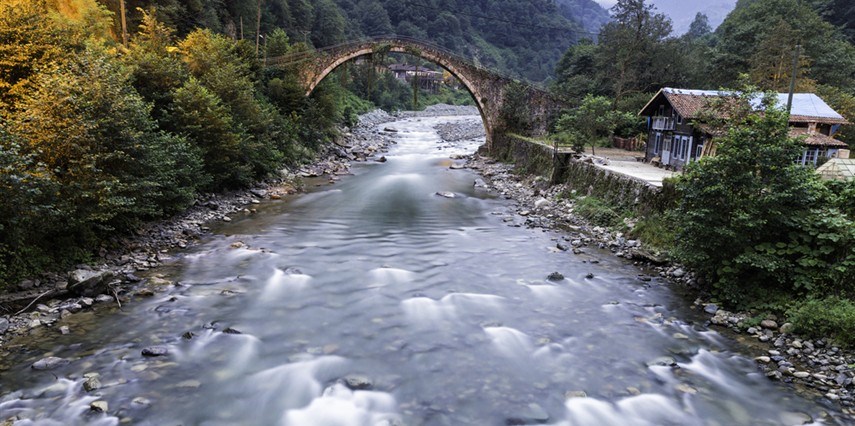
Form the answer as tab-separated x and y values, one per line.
679	119
699	150
657	145
661	110
687	144
810	156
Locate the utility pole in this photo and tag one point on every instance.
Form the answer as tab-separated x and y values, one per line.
258	29
795	71
124	23
241	27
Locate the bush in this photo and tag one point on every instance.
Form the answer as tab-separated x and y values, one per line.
656	230
758	226
819	318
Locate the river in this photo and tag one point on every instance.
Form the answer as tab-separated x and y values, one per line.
376	301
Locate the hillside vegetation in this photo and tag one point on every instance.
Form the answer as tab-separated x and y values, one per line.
522	38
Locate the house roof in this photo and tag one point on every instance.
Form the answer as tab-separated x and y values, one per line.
807	107
817	139
837	169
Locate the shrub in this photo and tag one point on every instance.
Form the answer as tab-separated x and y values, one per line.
832	316
757	225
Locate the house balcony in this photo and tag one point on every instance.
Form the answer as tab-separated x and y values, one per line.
663	123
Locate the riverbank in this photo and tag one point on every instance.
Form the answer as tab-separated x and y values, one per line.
114	277
817	365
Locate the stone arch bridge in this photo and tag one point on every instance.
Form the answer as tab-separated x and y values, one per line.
491	90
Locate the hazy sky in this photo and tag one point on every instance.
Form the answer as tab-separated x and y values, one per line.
682	12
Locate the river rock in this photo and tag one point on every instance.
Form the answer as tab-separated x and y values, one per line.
83	282
260	193
678	273
153	351
4	325
532	414
768	324
92	383
665	361
99	406
140	402
49	363
357	382
787	327
445	194
555	276
711	308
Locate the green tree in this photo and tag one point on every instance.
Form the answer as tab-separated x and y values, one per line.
329	24
700	27
199	115
84	121
756	226
577	73
633	58
591	123
29	39
762	35
156	68
28	216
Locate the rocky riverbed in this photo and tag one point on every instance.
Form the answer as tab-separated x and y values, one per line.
119	272
815	364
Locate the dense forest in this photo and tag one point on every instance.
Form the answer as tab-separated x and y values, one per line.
97	137
521	38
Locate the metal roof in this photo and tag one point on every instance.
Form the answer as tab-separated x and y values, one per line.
807	107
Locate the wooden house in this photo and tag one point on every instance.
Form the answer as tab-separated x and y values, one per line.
677	135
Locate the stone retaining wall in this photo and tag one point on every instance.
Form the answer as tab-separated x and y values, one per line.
619	190
528	155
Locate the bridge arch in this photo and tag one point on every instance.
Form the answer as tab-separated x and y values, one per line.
487	87
424	51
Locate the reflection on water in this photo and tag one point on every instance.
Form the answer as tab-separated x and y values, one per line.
378	302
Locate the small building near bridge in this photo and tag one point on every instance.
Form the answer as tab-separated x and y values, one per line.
428	79
677	135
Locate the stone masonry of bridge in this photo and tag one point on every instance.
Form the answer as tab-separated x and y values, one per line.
487	87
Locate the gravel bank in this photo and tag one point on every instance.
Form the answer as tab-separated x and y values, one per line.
440	110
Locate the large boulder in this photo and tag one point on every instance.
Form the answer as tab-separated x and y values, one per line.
83	282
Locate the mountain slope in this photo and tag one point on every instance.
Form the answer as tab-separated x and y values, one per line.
524	38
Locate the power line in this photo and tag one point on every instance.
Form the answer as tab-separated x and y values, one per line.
507	21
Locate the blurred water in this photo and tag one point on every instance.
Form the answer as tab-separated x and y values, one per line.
439	303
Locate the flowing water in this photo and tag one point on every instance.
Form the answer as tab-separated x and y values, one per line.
377	302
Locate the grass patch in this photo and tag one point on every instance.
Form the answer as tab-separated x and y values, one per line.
598	212
832	316
655	230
